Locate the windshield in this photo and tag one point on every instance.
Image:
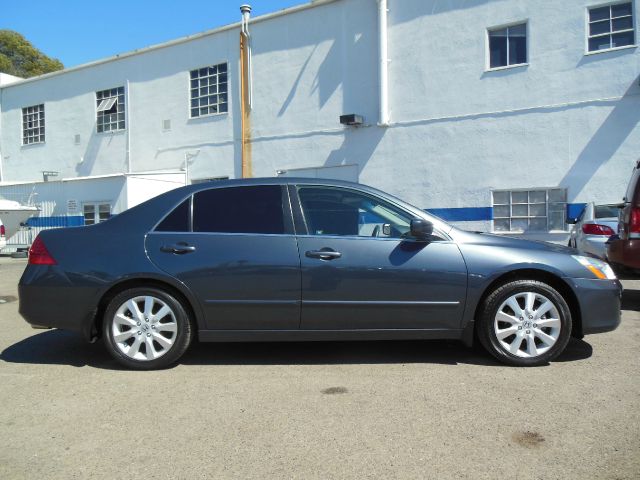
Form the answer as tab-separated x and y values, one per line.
606	211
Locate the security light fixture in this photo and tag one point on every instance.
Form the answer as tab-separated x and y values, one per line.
351	119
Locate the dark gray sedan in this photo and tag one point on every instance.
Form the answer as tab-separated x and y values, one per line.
307	259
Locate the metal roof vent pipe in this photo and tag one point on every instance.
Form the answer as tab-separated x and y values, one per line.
246	15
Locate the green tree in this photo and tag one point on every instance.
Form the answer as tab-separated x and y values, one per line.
18	57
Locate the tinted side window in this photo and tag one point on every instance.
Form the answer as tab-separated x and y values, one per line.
256	209
177	220
337	211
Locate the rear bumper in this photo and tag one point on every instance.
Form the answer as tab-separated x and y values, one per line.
594	245
624	252
57	307
599	302
49	299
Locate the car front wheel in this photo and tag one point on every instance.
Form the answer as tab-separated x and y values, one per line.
525	323
146	328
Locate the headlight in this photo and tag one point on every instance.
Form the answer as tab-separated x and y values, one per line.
599	268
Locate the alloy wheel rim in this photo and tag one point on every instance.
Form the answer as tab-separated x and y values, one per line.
144	328
527	324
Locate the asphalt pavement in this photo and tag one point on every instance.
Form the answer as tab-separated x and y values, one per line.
405	410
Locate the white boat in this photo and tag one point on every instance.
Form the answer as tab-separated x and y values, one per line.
13	214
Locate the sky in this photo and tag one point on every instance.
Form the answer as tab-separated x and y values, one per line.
81	31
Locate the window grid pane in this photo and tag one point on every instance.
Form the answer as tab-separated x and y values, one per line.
532	210
33	124
610	27
96	212
508	46
110	105
208	90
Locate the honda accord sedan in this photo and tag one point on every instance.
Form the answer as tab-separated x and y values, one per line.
307	259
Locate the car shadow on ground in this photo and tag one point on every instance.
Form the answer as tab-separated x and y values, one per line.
631	300
57	347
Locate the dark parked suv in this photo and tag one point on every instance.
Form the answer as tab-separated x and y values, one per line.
623	249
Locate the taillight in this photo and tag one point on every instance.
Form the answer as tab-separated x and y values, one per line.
634	220
2	231
595	229
39	255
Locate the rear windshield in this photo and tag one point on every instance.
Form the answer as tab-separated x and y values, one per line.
633	187
606	211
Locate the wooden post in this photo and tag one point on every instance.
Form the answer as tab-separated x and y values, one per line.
244	108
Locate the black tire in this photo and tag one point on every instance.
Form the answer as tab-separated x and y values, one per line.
490	309
180	338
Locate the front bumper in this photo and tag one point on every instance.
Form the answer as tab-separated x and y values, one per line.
624	252
599	302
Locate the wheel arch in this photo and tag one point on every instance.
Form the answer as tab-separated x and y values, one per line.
543	276
94	330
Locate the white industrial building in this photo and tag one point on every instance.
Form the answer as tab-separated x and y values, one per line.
500	115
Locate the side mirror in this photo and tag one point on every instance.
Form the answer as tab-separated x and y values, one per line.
421	229
572	221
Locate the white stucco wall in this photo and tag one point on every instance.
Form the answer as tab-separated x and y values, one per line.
140	188
457	131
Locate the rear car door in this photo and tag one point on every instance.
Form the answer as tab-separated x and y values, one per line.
234	248
361	270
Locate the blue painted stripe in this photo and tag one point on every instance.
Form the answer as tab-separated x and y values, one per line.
467	214
464	214
471	214
49	222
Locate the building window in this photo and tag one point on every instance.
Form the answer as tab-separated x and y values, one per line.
529	210
610	26
209	90
110	110
508	46
33	124
96	212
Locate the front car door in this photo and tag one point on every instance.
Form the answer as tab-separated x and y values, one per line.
361	270
234	248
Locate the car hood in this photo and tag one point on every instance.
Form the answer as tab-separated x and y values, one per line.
490	239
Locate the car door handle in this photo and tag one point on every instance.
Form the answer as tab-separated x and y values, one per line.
324	254
178	248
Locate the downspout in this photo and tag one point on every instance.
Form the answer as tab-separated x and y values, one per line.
128	126
245	91
383	64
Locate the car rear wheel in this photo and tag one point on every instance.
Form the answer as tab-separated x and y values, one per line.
146	328
525	323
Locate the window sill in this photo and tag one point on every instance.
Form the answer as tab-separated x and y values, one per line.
34	144
616	49
507	67
209	115
112	132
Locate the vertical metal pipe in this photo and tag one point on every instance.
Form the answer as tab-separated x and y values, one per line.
383	64
127	119
246	11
